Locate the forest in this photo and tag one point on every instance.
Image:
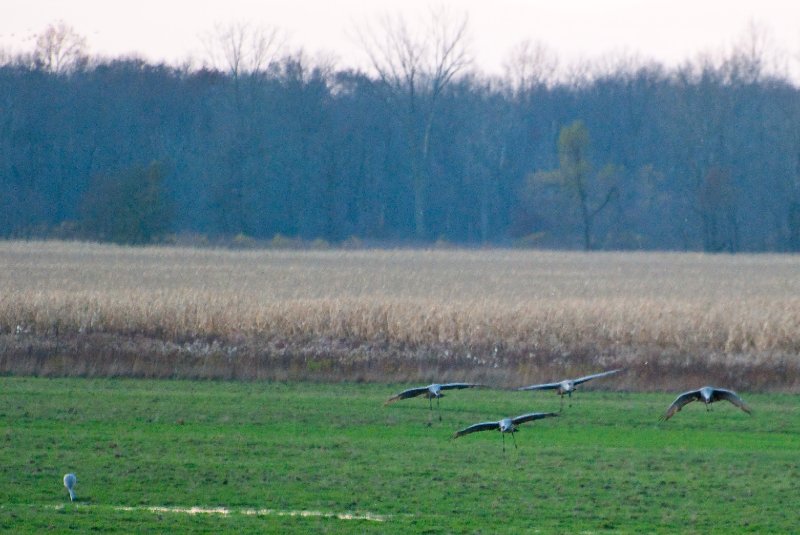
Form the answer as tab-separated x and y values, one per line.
272	146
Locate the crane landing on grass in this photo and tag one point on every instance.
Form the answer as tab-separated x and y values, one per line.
506	425
431	391
69	482
567	386
708	395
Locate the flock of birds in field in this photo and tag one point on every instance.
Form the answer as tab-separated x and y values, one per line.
706	394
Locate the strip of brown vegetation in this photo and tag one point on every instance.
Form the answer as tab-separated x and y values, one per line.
509	317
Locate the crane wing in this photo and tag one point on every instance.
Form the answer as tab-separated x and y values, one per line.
733	397
680	401
450	386
545	386
532	416
483	426
595	376
405	394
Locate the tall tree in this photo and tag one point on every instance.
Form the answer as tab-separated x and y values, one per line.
590	193
245	53
417	67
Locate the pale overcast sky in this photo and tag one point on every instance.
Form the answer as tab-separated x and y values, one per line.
668	31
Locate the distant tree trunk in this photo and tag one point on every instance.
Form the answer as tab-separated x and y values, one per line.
718	212
573	147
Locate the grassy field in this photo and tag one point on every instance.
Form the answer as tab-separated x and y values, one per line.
505	316
299	457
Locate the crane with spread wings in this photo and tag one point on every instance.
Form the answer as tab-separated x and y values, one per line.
431	391
567	386
506	425
708	395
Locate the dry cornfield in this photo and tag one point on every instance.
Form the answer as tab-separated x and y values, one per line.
673	320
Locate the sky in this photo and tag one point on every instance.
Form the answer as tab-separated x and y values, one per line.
668	31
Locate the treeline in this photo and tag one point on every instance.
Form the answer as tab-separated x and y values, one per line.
701	157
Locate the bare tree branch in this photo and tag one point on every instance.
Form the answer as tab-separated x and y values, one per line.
450	54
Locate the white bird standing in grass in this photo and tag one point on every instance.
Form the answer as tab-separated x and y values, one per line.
69	482
567	386
506	425
708	395
431	391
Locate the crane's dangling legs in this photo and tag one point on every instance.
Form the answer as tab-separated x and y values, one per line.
514	439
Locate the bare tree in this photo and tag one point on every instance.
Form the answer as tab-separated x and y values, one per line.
242	48
417	65
60	49
754	57
530	65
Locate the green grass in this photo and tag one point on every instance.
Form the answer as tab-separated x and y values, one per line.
606	465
